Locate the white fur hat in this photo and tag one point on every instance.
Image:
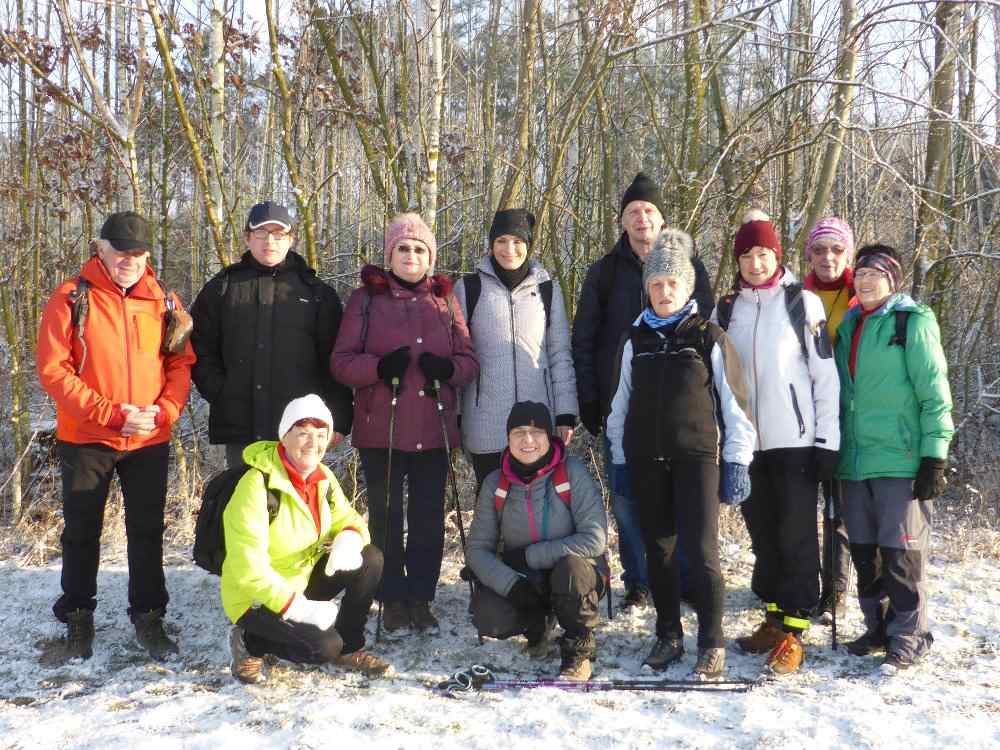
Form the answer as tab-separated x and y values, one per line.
309	406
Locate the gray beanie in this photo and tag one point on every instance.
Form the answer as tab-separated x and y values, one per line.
671	255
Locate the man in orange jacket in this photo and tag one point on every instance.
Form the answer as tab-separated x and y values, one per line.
118	389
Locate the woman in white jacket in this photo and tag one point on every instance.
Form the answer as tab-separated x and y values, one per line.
779	329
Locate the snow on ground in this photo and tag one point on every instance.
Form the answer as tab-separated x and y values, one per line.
119	699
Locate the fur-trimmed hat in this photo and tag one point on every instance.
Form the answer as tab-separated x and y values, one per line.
642	189
409	226
670	256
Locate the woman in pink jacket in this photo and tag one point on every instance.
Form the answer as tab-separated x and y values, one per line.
402	332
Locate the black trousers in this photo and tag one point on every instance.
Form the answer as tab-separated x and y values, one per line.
484	464
781	517
681	498
87	470
266	632
412	568
574	588
836	546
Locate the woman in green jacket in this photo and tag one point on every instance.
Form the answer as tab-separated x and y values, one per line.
895	429
293	543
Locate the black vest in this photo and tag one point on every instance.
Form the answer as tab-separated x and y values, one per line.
673	408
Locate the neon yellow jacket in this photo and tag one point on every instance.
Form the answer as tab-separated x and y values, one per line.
266	563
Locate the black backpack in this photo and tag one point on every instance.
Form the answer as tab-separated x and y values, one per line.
473	283
209	535
796	307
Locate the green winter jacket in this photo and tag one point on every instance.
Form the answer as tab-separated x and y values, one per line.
897	408
266	563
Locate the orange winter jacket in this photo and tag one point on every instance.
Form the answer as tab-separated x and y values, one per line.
123	365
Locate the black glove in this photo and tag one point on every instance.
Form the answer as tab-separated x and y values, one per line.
524	596
435	367
393	365
931	479
516	559
590	415
825	461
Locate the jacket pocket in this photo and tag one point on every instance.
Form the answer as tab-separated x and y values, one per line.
798	411
148	332
905	434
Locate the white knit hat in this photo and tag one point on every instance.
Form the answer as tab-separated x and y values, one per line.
309	406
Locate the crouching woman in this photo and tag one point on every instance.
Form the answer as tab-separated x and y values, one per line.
537	544
293	543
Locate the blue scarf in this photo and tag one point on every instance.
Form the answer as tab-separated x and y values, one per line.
670	322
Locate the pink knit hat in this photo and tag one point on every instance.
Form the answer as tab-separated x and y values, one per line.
409	226
832	228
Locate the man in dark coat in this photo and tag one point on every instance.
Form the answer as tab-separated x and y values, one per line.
611	299
263	332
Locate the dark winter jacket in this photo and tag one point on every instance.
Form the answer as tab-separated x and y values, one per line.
263	336
598	328
381	316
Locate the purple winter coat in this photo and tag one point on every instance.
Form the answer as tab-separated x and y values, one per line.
427	319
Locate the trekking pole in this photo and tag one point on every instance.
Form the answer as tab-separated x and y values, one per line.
835	573
607	513
388	495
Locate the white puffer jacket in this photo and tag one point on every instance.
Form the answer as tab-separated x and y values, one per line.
794	402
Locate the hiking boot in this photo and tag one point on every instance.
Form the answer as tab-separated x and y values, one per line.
576	655
824	610
665	652
787	656
764	639
711	664
396	620
872	642
80	634
422	619
539	638
244	667
364	662
151	636
635	598
894	663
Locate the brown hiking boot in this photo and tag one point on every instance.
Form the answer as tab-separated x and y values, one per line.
787	656
244	667
576	656
364	662
422	619
765	638
396	620
540	642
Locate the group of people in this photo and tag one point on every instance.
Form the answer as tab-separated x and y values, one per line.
747	401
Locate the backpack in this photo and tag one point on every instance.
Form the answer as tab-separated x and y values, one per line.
474	286
209	535
560	481
794	303
899	337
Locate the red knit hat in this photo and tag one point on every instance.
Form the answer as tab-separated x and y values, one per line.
756	231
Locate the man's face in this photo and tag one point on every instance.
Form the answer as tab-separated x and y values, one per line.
269	243
642	222
125	267
829	259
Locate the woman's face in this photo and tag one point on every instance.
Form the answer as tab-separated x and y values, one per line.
872	287
828	258
410	260
528	444
510	251
667	294
305	446
757	265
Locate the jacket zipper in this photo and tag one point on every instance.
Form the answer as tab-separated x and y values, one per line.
513	341
128	358
798	412
756	388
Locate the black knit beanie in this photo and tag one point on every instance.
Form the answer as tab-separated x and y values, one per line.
530	413
642	189
518	222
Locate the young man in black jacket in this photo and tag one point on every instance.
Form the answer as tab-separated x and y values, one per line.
263	332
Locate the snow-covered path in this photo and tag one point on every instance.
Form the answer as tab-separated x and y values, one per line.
118	699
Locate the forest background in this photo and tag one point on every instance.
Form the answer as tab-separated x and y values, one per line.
189	111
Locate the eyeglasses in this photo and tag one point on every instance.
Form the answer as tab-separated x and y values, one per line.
523	433
869	273
263	234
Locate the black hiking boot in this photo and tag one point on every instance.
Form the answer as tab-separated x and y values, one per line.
635	598
665	651
80	634
872	642
576	657
422	619
151	635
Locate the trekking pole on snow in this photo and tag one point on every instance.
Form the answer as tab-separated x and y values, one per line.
388	495
607	513
835	573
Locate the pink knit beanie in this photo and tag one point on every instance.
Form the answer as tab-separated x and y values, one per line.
833	228
409	226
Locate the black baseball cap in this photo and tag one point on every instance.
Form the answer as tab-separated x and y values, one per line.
269	212
127	231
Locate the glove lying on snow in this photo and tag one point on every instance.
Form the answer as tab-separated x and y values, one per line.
345	552
306	611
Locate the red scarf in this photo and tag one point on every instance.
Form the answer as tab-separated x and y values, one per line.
856	338
814	283
307	488
769	284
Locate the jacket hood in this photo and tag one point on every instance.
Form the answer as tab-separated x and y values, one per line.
145	288
377	281
263	455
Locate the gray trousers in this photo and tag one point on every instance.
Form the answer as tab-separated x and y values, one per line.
890	535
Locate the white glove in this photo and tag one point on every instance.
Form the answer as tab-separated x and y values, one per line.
345	552
308	612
